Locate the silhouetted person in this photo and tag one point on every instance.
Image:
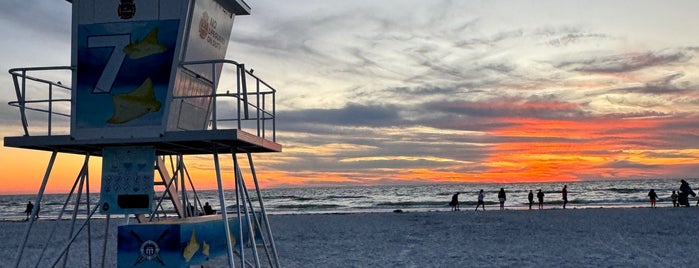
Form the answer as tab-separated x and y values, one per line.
673	196
531	199
481	196
653	197
28	211
685	191
564	195
540	196
502	197
208	210
454	202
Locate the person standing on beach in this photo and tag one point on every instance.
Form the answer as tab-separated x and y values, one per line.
455	202
481	196
673	196
540	196
685	191
531	199
653	197
564	194
28	211
502	197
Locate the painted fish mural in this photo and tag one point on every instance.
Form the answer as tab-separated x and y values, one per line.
132	105
146	47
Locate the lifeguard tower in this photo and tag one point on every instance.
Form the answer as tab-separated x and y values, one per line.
144	94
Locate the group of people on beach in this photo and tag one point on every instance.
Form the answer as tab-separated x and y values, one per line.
502	197
679	198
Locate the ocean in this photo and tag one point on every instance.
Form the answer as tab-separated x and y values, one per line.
407	198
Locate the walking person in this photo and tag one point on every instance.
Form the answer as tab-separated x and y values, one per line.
502	197
481	196
29	209
531	199
564	194
673	196
455	202
540	196
653	197
685	192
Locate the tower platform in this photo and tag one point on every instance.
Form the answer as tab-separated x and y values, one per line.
243	120
171	143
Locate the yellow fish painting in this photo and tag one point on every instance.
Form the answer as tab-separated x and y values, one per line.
132	105
191	247
146	47
205	248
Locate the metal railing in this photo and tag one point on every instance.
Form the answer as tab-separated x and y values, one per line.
260	99
29	90
251	109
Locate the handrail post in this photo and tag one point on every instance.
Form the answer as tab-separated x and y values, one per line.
22	102
274	116
244	87
213	96
238	75
257	94
264	115
21	112
50	107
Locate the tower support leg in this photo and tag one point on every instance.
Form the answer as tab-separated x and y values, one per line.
224	211
265	220
48	239
18	258
249	211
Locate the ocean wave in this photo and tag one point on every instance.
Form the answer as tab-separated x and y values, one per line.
626	190
474	203
294	197
411	204
346	197
307	206
408	197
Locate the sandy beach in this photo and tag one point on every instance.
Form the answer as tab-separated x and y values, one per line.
628	237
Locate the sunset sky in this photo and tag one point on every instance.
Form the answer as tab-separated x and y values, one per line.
399	92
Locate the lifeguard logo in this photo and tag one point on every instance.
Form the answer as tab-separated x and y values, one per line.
207	31
150	250
204	25
126	9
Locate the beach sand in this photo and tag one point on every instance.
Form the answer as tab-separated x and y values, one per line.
620	237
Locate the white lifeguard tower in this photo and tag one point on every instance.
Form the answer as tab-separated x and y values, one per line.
145	90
